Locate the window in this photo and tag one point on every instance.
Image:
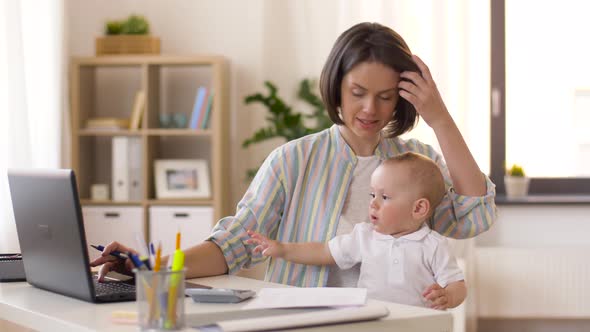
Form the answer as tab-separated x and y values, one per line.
541	94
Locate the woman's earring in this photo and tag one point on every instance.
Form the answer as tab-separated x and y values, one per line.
339	110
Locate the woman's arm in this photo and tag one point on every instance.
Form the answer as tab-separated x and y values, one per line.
422	92
203	260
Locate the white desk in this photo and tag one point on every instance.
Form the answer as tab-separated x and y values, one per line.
30	307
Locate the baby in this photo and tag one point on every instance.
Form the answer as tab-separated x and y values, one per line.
402	260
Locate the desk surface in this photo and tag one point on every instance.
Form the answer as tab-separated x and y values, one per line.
41	310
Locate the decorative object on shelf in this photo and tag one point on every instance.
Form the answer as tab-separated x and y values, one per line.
107	123
182	178
172	120
179	120
283	121
130	36
517	184
138	110
99	192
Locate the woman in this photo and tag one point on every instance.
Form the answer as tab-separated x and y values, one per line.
314	188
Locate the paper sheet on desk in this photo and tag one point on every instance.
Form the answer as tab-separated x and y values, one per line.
308	297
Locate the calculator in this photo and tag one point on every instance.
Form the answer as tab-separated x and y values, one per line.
219	295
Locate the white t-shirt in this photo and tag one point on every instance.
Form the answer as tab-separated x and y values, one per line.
354	211
397	269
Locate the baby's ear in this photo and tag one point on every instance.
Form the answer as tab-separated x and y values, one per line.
421	208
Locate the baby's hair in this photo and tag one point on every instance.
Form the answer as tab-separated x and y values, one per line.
425	176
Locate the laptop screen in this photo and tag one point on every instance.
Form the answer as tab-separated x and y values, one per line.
51	231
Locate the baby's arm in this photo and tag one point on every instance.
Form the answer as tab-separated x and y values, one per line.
449	297
312	253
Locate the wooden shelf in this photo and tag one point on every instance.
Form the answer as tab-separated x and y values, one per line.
105	86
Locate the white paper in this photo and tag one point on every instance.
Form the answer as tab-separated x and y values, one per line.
308	297
323	317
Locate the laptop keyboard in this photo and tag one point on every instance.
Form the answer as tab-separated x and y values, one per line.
103	288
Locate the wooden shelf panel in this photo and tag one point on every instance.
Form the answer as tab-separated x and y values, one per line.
134	60
181	202
104	132
179	132
149	132
109	202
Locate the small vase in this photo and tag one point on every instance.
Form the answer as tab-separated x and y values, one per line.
516	186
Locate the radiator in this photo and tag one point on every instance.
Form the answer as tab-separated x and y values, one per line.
533	283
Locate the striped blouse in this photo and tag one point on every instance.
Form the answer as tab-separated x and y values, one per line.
298	194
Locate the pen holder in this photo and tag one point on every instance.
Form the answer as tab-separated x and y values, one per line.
160	299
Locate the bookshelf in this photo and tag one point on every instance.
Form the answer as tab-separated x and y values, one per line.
106	86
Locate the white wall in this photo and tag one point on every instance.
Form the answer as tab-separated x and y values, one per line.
531	266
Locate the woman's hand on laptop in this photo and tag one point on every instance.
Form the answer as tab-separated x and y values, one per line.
112	263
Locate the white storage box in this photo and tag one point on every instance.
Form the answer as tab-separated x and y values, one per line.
106	224
194	223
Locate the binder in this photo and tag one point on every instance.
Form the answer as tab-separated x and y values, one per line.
127	184
134	157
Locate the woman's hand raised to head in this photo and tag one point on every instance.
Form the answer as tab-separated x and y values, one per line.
421	91
111	263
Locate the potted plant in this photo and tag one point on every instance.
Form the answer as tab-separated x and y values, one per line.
282	120
130	36
516	182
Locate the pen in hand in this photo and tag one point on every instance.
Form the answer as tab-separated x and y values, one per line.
115	253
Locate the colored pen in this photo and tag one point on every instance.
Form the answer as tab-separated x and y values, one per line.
158	263
177	265
144	253
136	261
115	253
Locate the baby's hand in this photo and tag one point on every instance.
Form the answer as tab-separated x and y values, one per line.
265	245
437	296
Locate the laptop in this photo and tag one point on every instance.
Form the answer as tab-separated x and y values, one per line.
51	233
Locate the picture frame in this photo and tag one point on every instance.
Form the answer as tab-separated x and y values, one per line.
182	178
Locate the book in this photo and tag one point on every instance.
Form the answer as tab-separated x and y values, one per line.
199	99
107	123
138	110
205	123
203	110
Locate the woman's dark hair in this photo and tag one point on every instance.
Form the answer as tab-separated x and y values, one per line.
368	42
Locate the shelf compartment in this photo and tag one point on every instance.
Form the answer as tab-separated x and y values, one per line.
172	90
102	91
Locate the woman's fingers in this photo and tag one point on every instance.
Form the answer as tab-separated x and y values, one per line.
423	67
104	269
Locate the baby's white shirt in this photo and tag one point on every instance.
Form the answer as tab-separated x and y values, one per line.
397	269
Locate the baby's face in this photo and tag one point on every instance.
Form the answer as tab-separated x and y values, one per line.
392	201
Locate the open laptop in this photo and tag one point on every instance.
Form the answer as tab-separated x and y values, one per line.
51	233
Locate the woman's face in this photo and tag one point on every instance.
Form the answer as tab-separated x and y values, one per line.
369	95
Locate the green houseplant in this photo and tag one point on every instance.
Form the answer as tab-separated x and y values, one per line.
282	120
133	25
127	36
516	182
